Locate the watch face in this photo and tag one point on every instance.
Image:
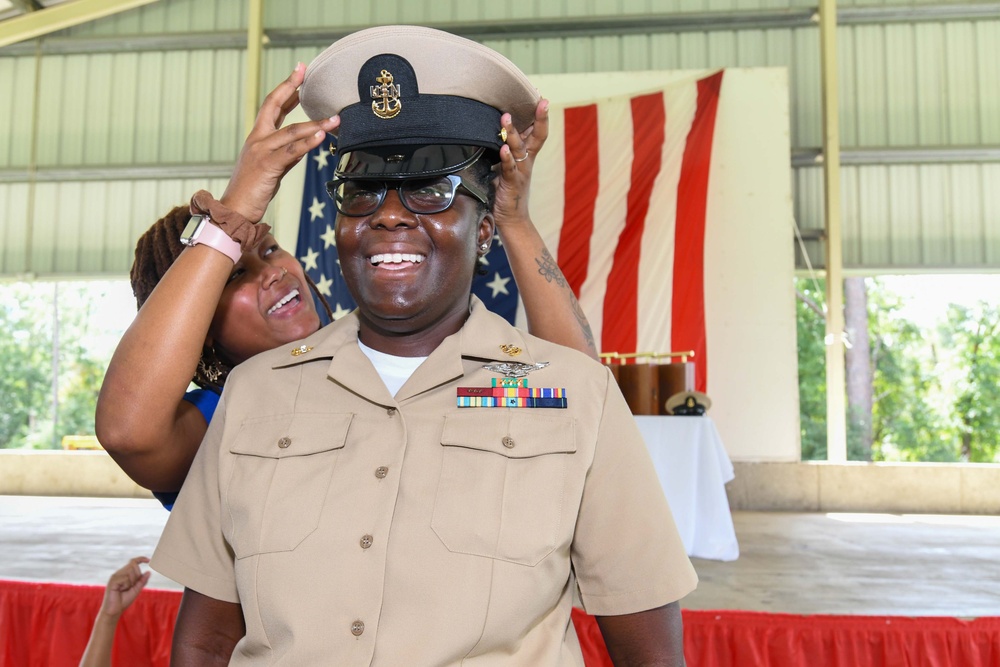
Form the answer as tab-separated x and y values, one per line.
190	234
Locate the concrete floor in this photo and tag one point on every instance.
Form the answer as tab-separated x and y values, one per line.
799	563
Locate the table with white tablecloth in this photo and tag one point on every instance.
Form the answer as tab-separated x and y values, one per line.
693	468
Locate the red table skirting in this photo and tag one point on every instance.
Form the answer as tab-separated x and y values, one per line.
47	625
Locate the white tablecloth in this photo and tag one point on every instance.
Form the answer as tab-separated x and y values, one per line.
693	468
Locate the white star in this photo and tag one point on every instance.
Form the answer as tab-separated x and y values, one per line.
316	210
498	285
339	312
323	285
329	239
320	160
309	261
483	261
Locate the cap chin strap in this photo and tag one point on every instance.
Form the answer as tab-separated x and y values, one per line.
384	165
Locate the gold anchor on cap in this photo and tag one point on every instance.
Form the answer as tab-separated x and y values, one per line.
300	350
386	97
503	134
333	149
512	350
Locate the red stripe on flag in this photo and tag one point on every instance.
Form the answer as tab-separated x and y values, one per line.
688	302
580	194
621	299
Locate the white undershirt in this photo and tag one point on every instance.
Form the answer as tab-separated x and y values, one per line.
393	370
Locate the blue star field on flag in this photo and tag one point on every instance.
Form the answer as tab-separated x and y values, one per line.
317	249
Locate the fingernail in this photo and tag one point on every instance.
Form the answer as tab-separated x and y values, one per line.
335	118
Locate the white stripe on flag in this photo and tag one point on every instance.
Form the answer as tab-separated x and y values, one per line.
656	278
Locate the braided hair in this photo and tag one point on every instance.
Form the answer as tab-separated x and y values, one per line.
155	252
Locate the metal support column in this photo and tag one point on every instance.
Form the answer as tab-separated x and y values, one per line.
255	47
836	411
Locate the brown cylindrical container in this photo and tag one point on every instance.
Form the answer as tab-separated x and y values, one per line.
639	384
673	378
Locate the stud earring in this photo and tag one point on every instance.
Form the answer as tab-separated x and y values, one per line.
484	247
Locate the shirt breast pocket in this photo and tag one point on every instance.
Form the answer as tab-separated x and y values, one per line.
502	485
280	476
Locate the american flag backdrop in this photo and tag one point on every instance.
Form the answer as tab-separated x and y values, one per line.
619	194
317	251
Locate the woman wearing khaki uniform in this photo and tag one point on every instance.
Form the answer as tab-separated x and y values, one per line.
350	504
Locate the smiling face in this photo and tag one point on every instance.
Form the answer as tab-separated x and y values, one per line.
411	274
265	304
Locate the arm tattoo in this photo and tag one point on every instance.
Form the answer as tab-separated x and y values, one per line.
581	317
547	267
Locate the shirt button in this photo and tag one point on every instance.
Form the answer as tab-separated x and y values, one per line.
381	472
357	628
390	411
508	442
284	442
366	541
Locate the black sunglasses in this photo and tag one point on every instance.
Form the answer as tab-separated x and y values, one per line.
357	198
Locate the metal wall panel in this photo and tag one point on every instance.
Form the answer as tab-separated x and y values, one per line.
17	75
177	16
988	84
909	217
131	108
14	241
84	228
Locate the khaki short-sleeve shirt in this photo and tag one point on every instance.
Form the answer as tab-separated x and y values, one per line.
359	528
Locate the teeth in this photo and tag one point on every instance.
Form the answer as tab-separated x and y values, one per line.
396	258
288	297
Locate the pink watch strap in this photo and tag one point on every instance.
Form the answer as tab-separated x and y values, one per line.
215	238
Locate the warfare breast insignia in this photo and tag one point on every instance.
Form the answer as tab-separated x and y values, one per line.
512	390
514	369
386	103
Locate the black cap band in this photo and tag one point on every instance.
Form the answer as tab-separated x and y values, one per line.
424	119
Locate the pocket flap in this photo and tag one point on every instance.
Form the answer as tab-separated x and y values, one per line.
283	436
510	433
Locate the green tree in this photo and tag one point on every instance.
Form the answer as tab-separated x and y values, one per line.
810	320
78	397
80	372
909	418
972	335
30	417
25	359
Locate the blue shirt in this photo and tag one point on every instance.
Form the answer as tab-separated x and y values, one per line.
206	401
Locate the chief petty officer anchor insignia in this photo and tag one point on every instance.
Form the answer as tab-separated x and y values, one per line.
512	390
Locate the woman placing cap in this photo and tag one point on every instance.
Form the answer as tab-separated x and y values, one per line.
200	314
420	483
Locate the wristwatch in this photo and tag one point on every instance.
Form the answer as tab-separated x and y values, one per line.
201	231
